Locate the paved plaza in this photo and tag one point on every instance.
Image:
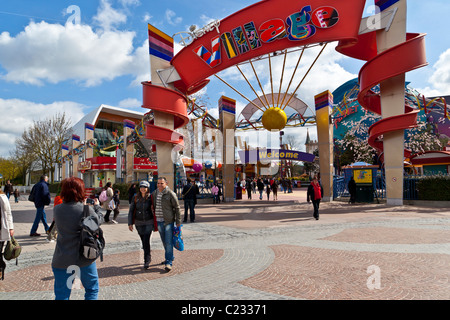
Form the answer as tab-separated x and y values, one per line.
260	250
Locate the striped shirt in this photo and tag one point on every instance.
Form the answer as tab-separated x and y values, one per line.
158	207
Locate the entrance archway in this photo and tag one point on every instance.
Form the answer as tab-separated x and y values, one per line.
276	25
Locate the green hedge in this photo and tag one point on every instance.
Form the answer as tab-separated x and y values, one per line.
435	188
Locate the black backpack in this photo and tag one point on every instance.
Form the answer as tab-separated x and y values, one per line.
92	241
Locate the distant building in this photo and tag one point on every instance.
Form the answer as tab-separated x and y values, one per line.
311	145
92	152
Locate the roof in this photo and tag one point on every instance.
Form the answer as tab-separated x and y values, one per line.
91	117
431	157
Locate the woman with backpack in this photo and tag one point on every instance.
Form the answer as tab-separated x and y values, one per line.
67	260
141	215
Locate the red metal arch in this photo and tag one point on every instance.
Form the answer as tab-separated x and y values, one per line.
395	61
168	101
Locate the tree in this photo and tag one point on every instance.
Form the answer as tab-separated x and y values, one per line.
354	147
23	160
7	169
293	143
43	140
422	138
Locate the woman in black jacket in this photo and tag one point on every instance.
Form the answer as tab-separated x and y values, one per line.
141	215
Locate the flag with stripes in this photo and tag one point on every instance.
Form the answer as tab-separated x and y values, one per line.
161	45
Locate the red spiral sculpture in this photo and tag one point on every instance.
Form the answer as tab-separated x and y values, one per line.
395	61
165	100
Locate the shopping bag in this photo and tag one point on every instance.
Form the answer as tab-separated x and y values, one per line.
111	205
178	238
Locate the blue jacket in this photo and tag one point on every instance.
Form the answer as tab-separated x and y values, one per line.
41	194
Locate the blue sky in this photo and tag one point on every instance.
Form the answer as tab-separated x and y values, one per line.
48	65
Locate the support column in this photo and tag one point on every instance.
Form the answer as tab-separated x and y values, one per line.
64	169
75	157
227	116
324	105
128	128
159	60
392	93
88	135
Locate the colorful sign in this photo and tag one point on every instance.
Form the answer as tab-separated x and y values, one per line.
363	176
264	27
160	44
264	155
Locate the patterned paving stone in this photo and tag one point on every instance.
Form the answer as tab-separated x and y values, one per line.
314	273
116	269
387	235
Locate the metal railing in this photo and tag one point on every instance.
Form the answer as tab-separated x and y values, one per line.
410	190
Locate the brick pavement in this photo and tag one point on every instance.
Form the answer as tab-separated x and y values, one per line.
253	249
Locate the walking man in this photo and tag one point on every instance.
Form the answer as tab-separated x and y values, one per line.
9	189
42	198
167	211
315	193
189	193
352	190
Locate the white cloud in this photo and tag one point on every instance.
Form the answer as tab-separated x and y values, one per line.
17	115
107	17
131	103
147	17
53	53
130	2
440	79
172	18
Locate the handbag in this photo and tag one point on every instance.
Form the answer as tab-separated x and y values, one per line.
12	250
178	242
112	205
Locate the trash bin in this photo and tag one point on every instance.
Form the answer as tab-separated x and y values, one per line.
299	184
238	193
364	193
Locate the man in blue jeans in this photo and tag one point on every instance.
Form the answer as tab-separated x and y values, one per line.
167	211
42	198
190	192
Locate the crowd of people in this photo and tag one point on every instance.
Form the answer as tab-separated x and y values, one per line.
148	212
263	185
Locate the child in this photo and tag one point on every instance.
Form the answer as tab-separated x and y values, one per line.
16	196
268	191
52	233
117	203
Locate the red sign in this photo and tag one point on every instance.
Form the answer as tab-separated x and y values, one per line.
265	27
109	163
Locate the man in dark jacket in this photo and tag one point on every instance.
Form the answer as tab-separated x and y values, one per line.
189	193
352	190
42	198
9	189
315	194
260	185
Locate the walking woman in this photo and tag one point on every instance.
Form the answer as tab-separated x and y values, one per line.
105	202
141	215
67	260
315	193
268	189
275	190
6	221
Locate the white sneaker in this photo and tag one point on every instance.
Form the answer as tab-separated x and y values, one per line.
114	221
